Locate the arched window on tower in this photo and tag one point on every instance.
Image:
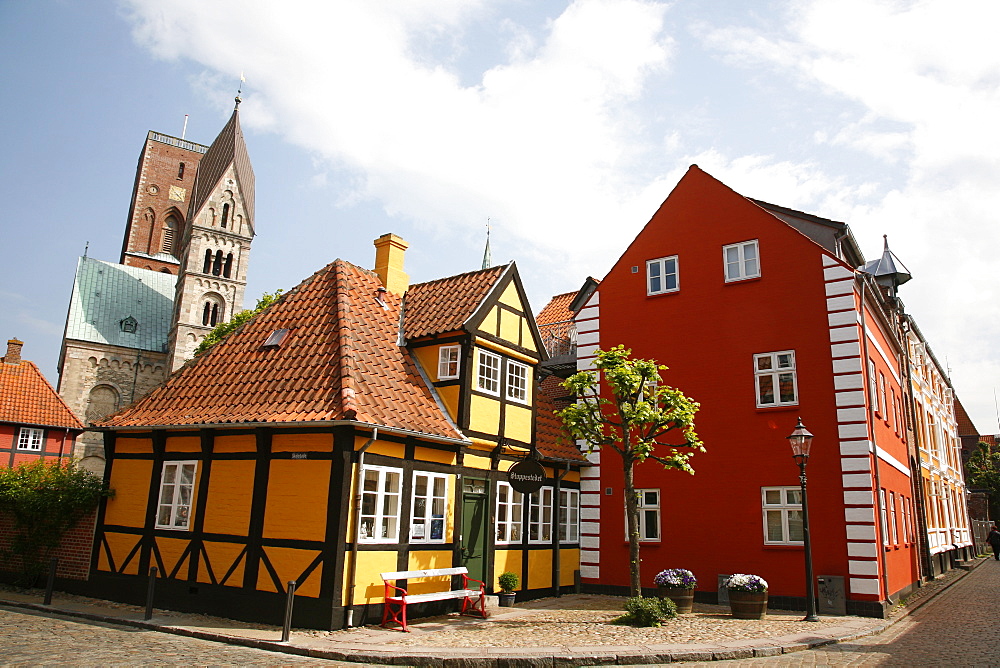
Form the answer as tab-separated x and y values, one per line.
217	265
215	314
225	214
169	234
228	270
214	309
180	171
102	401
208	261
206	313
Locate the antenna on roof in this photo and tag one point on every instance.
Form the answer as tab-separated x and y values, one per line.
85	249
487	257
239	90
185	130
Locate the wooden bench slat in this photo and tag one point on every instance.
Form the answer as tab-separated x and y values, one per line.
429	573
435	596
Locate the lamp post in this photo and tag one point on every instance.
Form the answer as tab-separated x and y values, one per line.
800	441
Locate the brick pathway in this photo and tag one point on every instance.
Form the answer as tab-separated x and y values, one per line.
959	627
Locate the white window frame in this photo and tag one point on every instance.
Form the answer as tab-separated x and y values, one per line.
517	382
741	264
31	439
540	512
509	513
884	412
893	518
649	508
488	372
448	362
661	265
384	518
872	385
884	516
775	373
172	495
786	508
425	524
569	516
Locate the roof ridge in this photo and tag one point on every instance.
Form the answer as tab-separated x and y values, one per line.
499	267
347	361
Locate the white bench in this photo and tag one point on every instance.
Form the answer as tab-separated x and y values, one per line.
396	598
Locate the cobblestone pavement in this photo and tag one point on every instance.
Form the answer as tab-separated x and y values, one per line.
959	627
33	639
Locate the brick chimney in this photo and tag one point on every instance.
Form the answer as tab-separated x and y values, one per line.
13	355
389	253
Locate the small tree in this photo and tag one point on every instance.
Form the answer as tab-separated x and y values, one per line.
984	471
45	499
223	329
642	420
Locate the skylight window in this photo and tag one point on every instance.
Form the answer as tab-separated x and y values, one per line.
275	339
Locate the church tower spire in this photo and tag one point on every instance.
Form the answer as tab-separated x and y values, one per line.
216	246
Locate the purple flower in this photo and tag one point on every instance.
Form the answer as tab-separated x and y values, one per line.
675	577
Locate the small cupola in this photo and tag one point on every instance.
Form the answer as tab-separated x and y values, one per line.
887	271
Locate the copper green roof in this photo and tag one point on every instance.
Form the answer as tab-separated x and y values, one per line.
106	295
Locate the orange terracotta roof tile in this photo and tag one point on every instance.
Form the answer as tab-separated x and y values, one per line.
440	306
557	310
555	324
340	361
552	439
27	398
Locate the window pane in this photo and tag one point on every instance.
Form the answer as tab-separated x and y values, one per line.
795	525
772	497
794	496
733	255
169	473
163	517
649	498
765	389
437	529
167	494
786	383
764	363
439	486
774	530
187	474
749	251
371	481
651	527
784	360
181	520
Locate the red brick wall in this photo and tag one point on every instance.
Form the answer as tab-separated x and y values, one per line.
73	554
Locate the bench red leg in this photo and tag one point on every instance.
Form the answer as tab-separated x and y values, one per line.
398	616
478	608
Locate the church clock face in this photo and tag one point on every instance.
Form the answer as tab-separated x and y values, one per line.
177	193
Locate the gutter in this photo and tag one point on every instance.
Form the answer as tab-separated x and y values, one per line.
352	573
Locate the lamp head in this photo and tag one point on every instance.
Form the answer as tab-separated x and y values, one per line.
800	440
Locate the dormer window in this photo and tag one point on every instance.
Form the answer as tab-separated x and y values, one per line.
129	325
448	362
275	339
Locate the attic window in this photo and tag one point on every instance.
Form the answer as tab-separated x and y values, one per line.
275	339
129	325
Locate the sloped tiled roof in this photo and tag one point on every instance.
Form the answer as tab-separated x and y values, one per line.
555	320
227	149
27	398
552	439
339	361
965	425
104	294
444	305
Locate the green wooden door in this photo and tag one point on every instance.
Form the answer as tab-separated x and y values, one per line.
474	515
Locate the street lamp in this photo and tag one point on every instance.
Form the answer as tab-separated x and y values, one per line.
800	441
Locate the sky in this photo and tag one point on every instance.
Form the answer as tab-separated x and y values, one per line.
563	123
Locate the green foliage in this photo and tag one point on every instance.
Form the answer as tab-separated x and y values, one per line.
640	611
983	470
642	420
508	581
45	498
223	329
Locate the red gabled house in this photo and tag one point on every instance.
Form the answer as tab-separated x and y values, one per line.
764	315
35	423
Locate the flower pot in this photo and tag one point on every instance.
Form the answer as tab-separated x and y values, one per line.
748	604
682	597
507	599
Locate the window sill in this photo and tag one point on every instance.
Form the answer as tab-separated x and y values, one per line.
663	294
782	407
749	279
783	547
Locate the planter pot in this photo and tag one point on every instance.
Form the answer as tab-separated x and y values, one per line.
682	597
748	604
507	599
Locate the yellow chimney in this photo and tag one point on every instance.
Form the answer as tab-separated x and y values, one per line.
389	253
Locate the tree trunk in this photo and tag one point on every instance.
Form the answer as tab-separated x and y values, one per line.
632	516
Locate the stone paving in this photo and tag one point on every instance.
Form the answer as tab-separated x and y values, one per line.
957	629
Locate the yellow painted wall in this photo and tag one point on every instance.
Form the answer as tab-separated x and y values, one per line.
507	560
121	545
426	560
572	476
510	327
370	587
428	358
490	324
236	443
230	490
449	397
289	563
134	445
540	569
171	551
518	423
302	443
484	414
387	448
511	298
527	340
222	556
527	359
476	462
569	561
130	481
183	444
432	455
297	498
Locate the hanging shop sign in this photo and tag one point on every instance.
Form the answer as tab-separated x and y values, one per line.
526	476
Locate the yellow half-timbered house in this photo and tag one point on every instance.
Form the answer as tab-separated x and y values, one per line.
357	426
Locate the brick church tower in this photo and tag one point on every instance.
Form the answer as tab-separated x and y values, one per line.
182	270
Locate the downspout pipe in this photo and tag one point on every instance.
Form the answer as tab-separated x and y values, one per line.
352	573
883	530
919	493
557	543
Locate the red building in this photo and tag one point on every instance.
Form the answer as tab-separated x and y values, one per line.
763	315
34	422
